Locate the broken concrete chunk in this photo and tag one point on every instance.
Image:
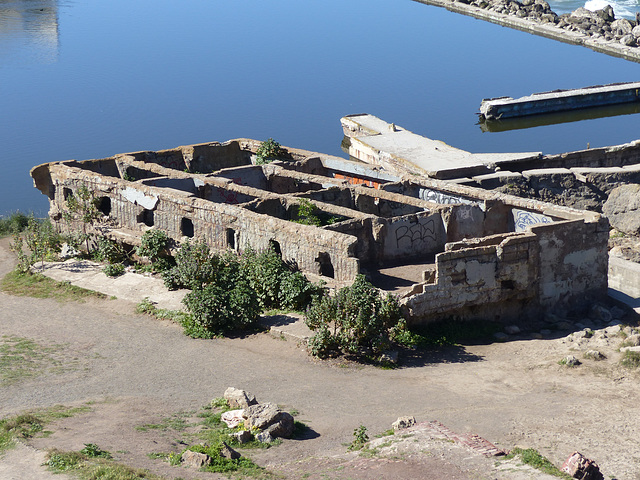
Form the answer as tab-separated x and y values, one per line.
578	466
403	422
570	361
239	398
233	418
243	436
195	459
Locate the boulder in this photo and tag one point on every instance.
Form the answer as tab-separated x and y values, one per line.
636	31
269	417
243	436
228	452
239	398
594	355
403	422
512	329
570	361
578	466
606	13
195	459
264	437
622	26
628	40
621	208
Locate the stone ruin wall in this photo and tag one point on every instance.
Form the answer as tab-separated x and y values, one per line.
485	260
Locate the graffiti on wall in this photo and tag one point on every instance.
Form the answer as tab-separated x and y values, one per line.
523	219
416	235
436	196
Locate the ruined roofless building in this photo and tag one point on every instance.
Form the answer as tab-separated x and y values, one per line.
446	249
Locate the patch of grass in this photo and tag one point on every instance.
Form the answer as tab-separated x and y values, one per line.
38	286
90	468
386	433
175	422
30	424
630	359
146	306
220	464
533	458
22	358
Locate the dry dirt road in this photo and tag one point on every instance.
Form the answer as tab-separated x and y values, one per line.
134	370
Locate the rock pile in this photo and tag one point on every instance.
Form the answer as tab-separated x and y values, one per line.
264	422
600	24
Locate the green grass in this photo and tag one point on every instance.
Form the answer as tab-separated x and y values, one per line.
22	358
30	424
39	286
86	467
630	359
147	307
534	459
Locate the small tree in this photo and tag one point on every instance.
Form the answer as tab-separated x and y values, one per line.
41	241
82	206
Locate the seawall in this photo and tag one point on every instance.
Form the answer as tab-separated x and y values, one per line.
544	28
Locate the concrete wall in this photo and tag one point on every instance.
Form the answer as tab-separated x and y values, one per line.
501	271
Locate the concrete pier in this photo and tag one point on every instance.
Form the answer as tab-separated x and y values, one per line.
377	142
560	100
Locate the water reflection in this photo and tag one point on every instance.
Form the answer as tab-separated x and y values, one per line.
531	121
29	27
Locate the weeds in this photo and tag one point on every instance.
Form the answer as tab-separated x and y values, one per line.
360	438
15	223
630	359
22	358
38	286
533	458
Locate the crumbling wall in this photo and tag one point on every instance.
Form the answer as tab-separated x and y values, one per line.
502	269
573	260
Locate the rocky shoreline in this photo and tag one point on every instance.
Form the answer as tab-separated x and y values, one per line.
598	30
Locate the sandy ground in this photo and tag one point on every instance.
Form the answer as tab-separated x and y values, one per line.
133	370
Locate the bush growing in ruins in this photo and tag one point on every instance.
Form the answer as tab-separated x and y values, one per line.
268	151
225	303
155	246
194	267
357	320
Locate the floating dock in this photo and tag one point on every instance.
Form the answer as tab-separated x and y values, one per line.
559	101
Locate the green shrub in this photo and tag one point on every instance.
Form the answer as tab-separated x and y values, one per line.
155	246
108	250
15	223
226	303
269	151
113	269
360	438
42	243
296	291
194	267
82	207
358	320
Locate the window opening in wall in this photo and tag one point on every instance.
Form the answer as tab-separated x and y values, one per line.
275	246
104	205
146	217
325	267
186	227
66	193
231	238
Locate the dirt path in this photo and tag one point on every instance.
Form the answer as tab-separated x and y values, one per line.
138	370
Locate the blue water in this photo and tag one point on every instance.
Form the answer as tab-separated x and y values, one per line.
88	79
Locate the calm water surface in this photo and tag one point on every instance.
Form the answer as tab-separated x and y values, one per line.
88	79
